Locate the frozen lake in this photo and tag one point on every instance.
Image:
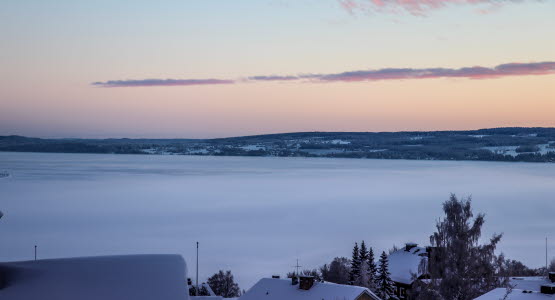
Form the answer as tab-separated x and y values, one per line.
256	216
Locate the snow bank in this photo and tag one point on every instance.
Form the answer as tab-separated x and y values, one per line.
133	277
282	289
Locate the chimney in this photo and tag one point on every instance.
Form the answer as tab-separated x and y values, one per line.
294	280
306	282
409	246
275	276
548	289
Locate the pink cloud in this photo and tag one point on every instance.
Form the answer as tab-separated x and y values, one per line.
160	82
475	72
416	7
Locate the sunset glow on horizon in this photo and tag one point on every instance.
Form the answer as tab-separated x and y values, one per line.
201	69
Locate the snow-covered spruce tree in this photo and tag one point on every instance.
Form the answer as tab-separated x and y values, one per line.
362	279
459	267
355	266
368	269
384	285
371	271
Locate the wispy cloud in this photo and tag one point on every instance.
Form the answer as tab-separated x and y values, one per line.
416	7
476	72
160	82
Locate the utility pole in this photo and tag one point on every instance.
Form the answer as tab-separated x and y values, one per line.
35	252
546	271
197	291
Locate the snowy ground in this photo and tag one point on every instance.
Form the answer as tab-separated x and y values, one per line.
255	216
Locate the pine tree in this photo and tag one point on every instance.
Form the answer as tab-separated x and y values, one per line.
372	270
355	266
384	284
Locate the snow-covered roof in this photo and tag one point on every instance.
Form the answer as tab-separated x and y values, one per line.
282	289
404	265
533	283
516	294
137	277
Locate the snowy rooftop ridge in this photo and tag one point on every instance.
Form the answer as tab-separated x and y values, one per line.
282	289
137	277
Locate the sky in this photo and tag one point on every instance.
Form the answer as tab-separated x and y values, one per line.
215	68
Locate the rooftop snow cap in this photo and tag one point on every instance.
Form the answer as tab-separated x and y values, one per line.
409	246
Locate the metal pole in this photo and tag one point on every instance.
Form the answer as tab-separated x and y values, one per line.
35	252
546	270
197	291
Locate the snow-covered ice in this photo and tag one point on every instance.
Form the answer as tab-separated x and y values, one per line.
256	216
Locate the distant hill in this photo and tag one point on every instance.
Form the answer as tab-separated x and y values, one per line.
494	144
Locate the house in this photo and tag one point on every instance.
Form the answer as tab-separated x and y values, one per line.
137	277
305	288
530	283
407	265
515	294
524	288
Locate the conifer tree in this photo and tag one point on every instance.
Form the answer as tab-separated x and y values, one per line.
362	279
372	271
384	284
355	266
363	252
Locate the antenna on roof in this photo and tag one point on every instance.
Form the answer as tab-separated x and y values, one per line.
297	267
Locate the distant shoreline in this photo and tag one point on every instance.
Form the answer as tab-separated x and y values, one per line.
515	144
